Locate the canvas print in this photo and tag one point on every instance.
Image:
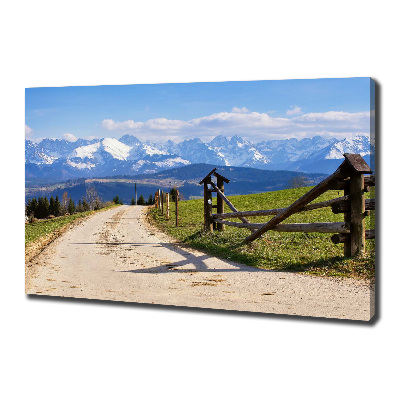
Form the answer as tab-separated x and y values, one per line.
254	196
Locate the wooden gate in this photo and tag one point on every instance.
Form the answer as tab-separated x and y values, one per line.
348	177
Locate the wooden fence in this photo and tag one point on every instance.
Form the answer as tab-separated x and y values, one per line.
349	177
161	201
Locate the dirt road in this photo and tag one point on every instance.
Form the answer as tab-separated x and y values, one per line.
116	255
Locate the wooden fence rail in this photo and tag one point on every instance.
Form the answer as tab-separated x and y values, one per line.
278	210
348	177
321	227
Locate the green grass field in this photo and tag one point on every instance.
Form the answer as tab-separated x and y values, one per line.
312	253
37	230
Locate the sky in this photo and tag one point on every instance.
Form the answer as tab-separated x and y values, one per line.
254	110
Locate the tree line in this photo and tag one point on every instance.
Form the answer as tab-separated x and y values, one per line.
42	207
149	202
142	202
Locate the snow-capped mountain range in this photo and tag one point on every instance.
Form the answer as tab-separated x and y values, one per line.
59	159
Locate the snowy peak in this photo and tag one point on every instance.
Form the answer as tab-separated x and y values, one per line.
291	150
130	140
242	153
219	142
151	150
85	151
197	151
109	146
356	145
116	149
49	150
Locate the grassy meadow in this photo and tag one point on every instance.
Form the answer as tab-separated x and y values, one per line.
311	253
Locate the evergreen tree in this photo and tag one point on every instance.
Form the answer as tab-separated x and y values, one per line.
172	193
57	207
52	207
47	206
297	181
71	206
85	205
31	207
42	210
37	211
79	208
141	201
133	203
97	204
150	200
116	200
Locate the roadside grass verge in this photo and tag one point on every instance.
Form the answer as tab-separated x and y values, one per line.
38	230
311	253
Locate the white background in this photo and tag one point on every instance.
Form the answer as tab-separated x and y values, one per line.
90	350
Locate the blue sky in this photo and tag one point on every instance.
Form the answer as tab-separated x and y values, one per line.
256	110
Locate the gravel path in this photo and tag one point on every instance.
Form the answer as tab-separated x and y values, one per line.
115	255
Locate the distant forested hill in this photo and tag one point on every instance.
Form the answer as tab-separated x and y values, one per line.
242	181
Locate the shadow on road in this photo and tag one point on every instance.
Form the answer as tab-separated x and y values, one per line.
189	262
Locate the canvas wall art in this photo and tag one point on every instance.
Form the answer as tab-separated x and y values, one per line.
254	196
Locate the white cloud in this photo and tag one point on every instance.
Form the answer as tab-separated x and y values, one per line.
334	116
240	110
294	110
70	137
251	125
28	132
112	125
91	137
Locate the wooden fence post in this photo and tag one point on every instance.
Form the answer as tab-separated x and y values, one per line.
208	222
357	215
162	202
210	187
135	195
220	202
176	206
347	218
167	203
356	167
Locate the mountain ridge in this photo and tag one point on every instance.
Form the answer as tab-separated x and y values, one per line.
59	159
